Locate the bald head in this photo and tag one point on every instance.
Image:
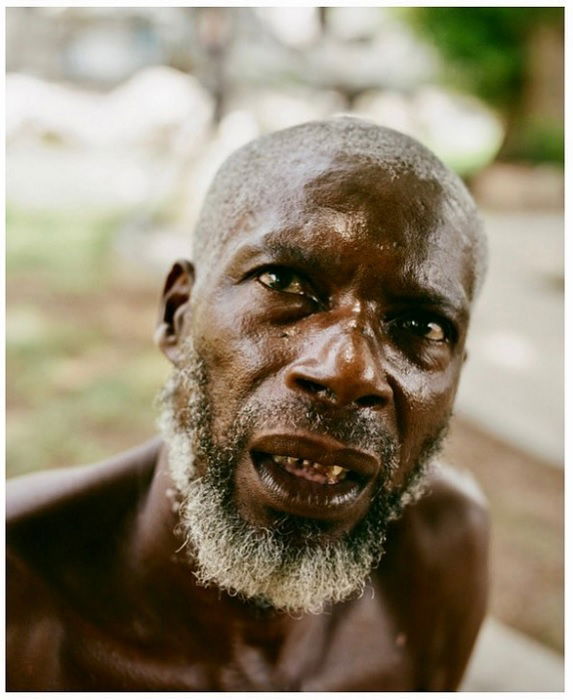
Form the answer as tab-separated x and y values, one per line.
249	180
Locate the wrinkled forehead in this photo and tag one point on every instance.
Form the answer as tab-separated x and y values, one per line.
392	204
399	195
363	212
395	202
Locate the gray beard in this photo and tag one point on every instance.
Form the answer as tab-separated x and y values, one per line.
270	567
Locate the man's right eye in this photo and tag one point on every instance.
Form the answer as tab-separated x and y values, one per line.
282	280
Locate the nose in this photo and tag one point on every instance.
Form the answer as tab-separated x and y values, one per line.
341	367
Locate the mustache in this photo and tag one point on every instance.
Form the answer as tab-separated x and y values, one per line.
361	430
352	429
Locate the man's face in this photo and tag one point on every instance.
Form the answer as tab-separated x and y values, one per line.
325	347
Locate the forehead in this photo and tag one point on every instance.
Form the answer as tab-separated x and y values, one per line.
356	214
391	199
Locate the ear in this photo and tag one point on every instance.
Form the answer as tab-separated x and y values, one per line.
174	303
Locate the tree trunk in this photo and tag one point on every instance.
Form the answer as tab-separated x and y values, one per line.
541	102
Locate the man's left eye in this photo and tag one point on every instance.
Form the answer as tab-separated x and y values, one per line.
427	328
282	280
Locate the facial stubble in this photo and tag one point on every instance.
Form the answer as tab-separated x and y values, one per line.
292	566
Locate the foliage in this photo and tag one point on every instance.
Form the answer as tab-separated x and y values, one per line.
69	250
539	142
488	51
484	47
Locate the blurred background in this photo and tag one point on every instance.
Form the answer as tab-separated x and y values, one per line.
117	119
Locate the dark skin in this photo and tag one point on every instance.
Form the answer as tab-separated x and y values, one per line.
356	302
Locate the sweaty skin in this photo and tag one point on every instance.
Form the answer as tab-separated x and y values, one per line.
349	288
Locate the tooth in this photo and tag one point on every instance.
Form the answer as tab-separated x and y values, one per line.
278	459
291	460
336	470
306	463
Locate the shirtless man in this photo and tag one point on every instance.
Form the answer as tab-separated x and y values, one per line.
292	529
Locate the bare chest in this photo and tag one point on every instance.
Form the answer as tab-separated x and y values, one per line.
360	649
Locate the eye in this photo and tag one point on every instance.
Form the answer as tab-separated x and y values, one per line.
282	280
426	327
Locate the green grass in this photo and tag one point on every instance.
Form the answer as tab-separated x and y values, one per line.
82	370
66	251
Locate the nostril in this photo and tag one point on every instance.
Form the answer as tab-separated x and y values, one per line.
370	401
309	387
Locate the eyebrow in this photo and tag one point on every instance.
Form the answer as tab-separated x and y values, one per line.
455	304
282	250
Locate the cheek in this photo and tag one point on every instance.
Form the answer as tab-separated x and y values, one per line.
240	350
423	401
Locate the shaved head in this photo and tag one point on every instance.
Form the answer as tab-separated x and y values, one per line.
248	180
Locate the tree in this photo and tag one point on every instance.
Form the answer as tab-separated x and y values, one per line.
512	57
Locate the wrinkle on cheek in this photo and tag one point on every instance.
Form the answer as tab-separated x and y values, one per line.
241	356
267	354
429	394
423	403
425	387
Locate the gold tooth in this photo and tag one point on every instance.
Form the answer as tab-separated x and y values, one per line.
336	470
291	460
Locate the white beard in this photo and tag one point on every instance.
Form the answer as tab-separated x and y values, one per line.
255	563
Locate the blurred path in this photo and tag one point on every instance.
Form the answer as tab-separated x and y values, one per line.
526	503
505	660
512	384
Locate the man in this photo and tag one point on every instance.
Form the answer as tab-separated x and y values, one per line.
292	530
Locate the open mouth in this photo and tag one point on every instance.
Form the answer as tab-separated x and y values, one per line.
312	471
310	475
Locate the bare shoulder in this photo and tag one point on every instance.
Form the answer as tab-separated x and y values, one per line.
63	527
451	527
438	572
447	532
48	511
453	506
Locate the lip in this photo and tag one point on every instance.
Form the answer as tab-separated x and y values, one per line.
285	492
318	448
